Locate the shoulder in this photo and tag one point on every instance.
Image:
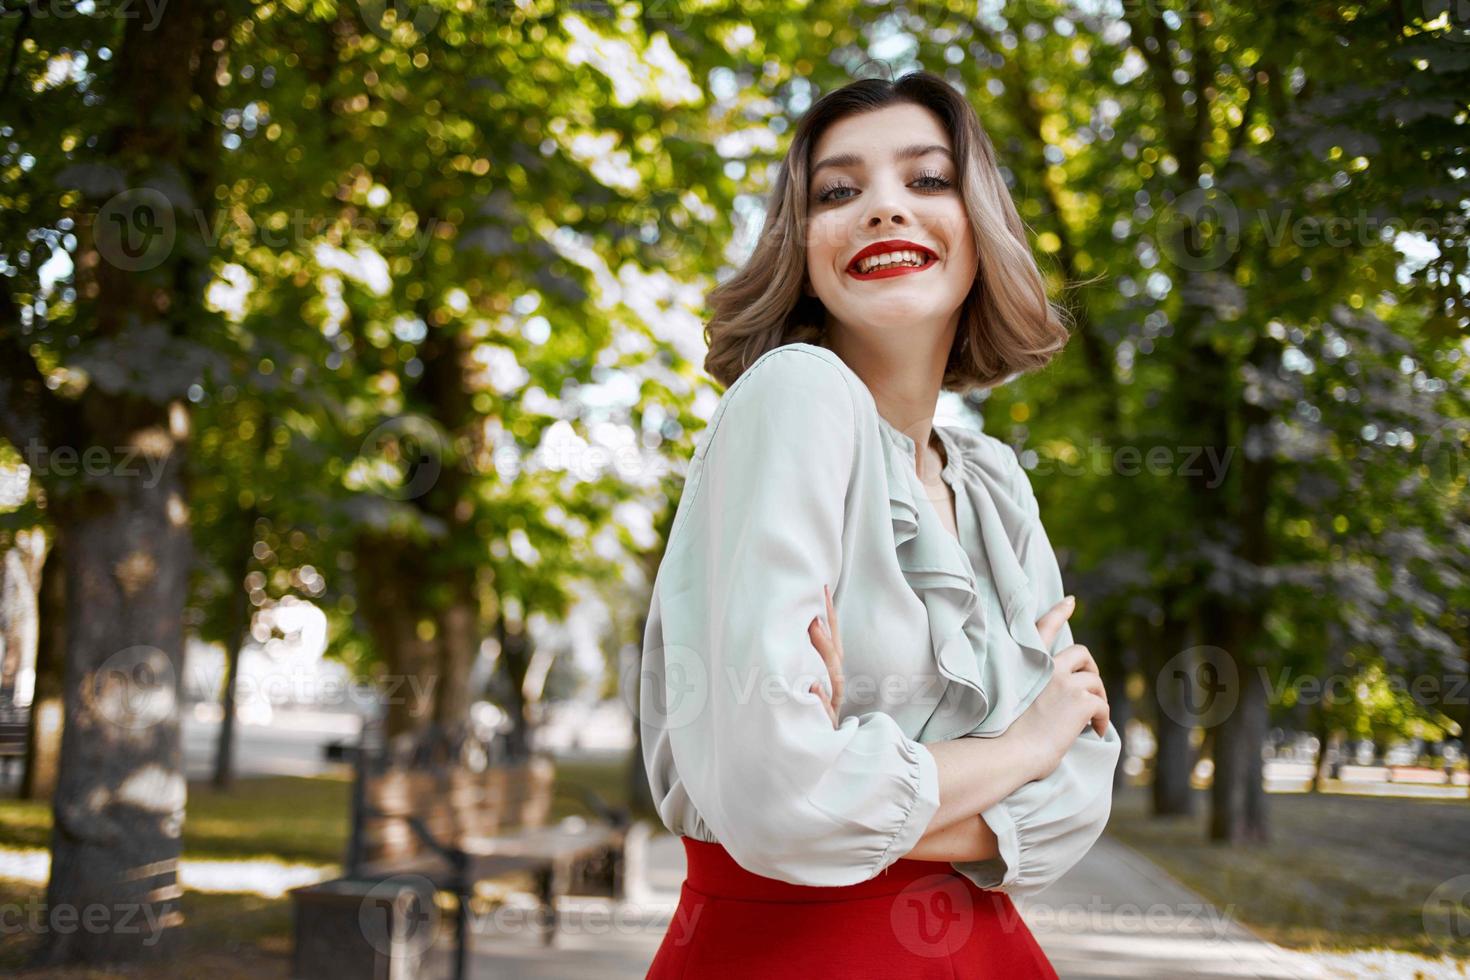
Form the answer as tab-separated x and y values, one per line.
807	388
796	365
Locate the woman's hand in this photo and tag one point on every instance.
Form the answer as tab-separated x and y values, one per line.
828	642
1073	698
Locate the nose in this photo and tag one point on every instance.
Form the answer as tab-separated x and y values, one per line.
886	204
896	215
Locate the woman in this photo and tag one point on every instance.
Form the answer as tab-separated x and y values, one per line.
863	799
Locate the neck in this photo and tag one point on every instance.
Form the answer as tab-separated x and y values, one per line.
904	376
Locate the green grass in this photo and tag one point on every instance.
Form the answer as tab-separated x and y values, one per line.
227	936
285	818
288	818
1339	872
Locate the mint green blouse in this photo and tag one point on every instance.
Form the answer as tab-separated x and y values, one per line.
798	482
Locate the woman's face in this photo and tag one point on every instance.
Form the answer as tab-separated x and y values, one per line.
874	193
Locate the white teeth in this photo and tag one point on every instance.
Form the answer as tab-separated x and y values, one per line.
905	258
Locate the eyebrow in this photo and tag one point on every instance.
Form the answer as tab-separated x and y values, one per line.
904	153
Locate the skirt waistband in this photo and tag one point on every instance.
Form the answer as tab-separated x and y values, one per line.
713	872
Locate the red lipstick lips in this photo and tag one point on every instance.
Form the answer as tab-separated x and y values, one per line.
891	245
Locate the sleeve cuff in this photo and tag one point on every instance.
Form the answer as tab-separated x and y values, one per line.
921	810
997	873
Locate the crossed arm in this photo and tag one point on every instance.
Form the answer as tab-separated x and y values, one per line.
974	773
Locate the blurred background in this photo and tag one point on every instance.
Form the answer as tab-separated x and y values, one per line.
350	363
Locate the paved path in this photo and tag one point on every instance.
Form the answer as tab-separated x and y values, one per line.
1114	915
1117	914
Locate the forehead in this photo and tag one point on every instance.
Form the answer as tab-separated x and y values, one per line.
875	135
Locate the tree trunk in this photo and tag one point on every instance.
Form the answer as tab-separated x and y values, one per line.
1116	664
390	572
20	579
43	738
242	612
118	809
515	661
1323	730
1173	758
1238	792
119	802
459	642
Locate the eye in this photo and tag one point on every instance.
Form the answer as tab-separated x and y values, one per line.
828	193
933	181
940	181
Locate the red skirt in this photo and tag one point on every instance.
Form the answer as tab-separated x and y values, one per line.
919	919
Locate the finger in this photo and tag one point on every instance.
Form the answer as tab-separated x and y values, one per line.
816	689
831	657
1085	659
832	620
823	642
831	648
1073	658
1092	683
1050	623
1101	720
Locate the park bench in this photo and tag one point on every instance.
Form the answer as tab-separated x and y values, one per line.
454	813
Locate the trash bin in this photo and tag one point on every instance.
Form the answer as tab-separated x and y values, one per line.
377	930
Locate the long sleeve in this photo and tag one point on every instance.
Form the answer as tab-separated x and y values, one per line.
760	530
1046	826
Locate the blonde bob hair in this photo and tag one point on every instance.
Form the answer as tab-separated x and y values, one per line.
1007	326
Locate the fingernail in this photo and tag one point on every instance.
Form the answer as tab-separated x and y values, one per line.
1071	600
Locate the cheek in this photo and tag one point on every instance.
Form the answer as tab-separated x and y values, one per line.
821	247
962	254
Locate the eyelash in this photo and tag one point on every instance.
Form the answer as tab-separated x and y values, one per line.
825	194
